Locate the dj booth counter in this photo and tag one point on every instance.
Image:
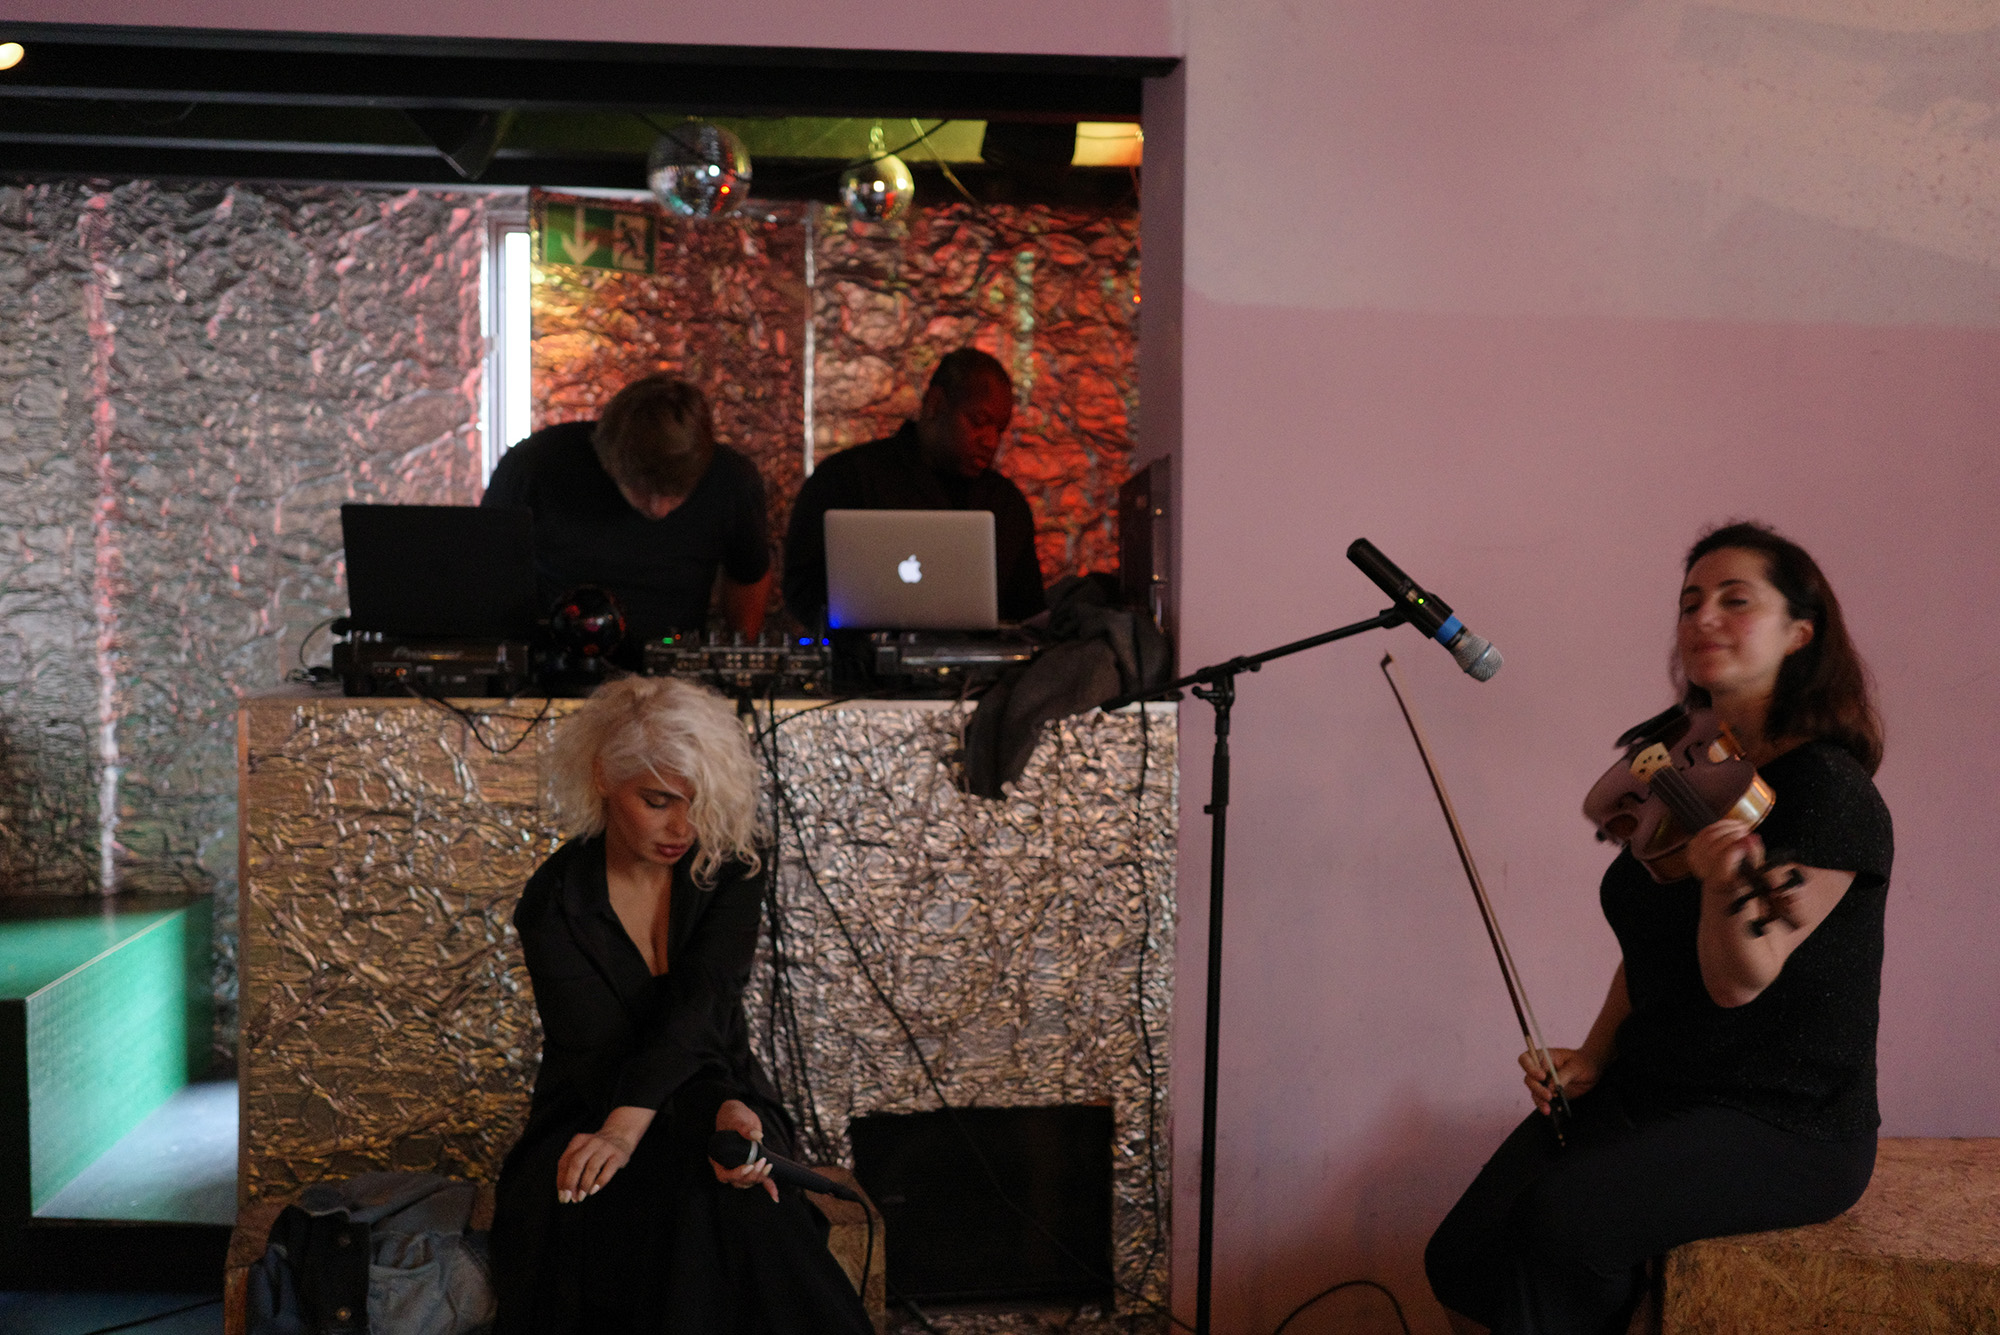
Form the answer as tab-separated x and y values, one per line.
388	1021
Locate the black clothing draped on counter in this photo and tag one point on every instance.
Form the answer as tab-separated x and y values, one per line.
1709	1120
663	1246
660	570
892	474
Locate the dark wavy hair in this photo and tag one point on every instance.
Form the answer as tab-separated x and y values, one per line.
1824	691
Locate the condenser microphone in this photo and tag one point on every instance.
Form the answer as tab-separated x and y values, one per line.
731	1150
1426	611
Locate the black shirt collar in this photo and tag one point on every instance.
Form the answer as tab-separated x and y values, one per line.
955	485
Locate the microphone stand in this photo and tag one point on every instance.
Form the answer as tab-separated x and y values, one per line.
1217	685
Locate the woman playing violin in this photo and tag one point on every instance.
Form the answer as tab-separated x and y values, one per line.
1728	1083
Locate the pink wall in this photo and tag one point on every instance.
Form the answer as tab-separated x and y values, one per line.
1528	293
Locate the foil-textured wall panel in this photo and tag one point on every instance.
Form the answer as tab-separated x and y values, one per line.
49	726
199	375
725	309
1028	943
387	1020
1052	292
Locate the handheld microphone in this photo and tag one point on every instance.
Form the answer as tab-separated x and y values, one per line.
731	1150
1426	611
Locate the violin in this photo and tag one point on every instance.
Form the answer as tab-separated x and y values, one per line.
1682	771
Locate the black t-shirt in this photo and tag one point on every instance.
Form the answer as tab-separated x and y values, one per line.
891	474
660	570
1802	1054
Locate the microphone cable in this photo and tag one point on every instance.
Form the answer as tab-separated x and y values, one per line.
1332	1289
157	1316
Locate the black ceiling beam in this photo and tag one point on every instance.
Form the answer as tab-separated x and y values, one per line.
351	165
775	179
175	66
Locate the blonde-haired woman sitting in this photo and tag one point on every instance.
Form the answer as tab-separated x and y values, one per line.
639	933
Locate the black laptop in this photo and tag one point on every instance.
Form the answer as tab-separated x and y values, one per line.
440	572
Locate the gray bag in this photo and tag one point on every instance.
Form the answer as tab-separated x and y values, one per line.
378	1254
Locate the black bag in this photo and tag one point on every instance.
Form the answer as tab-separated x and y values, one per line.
378	1254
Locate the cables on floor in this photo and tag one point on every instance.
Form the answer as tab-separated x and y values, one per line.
1332	1289
157	1316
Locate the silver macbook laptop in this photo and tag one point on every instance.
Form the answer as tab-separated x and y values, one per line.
911	570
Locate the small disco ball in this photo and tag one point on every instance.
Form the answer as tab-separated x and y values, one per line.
699	170
587	621
879	190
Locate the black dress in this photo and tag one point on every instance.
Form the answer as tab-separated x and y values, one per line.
663	1247
1708	1120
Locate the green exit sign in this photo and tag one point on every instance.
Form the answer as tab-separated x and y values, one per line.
595	238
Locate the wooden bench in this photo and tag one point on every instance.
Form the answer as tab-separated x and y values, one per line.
847	1239
1919	1254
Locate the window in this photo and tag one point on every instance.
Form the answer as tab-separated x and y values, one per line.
506	407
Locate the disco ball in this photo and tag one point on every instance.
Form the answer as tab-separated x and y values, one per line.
587	621
879	190
699	170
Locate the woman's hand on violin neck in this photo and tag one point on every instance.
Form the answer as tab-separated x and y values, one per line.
736	1115
1578	1069
594	1158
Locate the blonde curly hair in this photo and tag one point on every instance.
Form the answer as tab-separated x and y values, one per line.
641	725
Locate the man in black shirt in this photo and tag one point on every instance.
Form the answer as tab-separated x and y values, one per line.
645	503
941	461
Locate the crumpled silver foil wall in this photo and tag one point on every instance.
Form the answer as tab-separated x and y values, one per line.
1028	943
725	310
197	375
1052	292
387	1018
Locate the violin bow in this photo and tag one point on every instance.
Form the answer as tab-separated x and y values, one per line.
1531	1030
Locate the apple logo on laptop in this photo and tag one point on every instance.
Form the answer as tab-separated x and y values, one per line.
910	570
